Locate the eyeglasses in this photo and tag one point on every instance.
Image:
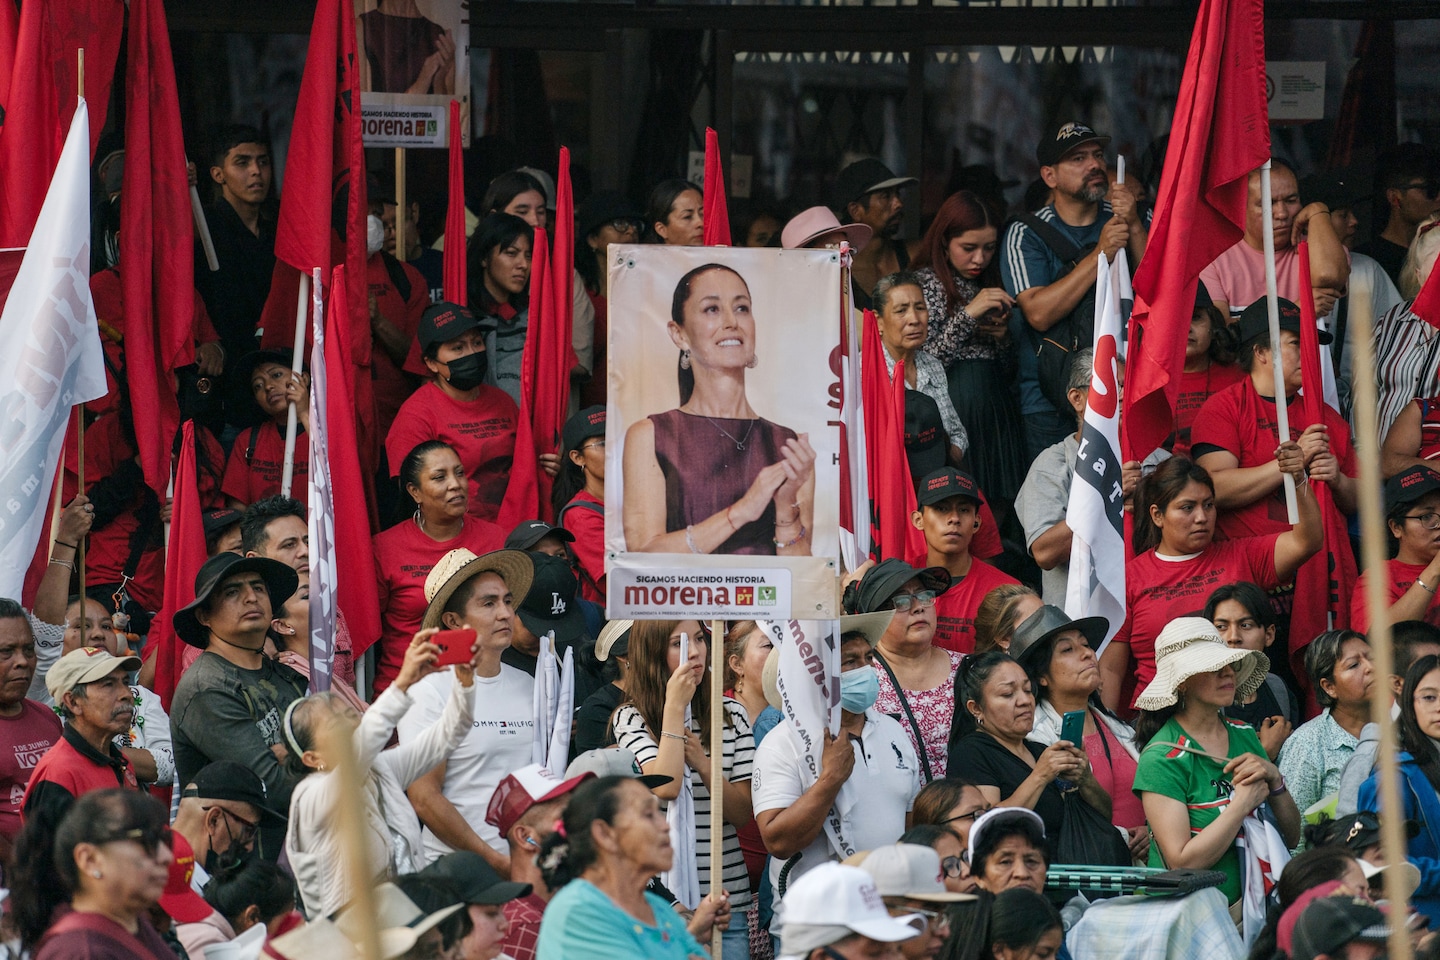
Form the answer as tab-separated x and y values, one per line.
966	816
920	919
594	443
625	225
952	867
149	838
904	601
251	828
1430	521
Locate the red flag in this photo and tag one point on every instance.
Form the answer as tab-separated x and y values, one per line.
562	273
1330	573
9	39
354	555
1427	302
183	560
455	215
892	492
717	216
156	241
522	496
1220	134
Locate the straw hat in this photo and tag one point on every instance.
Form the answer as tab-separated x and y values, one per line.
1189	646
514	567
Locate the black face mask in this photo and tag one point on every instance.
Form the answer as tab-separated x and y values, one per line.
229	862
468	372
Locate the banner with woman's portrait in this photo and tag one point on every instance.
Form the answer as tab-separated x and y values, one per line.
722	478
414	59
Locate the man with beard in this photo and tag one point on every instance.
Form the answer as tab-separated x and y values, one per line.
1086	213
91	693
868	192
221	811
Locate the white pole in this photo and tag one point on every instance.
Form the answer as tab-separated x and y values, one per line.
202	230
302	315
1282	415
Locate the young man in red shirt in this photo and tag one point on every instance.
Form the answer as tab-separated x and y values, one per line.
948	514
257	460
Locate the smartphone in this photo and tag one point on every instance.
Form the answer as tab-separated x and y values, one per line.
684	648
1072	728
455	646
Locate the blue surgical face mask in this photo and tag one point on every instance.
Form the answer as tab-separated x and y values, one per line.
859	689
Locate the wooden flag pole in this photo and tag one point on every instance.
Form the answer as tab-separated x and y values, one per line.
1272	297
354	862
400	203
292	422
1373	542
717	773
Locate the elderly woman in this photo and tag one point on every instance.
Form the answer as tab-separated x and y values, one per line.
108	860
995	711
1058	655
712	476
432	476
1338	664
1008	849
904	321
611	840
1200	775
1000	613
917	678
314	729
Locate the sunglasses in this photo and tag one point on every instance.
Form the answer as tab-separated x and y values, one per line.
149	838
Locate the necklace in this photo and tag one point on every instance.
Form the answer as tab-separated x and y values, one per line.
740	443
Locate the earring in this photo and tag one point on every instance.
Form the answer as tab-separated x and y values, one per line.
977	524
752	363
96	874
979	720
419	519
684	359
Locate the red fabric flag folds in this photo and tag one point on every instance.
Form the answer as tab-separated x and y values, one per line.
1220	134
522	496
715	212
454	275
1427	301
183	560
892	492
156	241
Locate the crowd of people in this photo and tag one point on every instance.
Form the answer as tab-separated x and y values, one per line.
990	748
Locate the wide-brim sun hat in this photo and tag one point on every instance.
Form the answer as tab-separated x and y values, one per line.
1190	646
810	225
514	567
281	583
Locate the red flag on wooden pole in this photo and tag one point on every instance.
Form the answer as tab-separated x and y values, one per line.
522	495
892	492
1220	134
156	242
183	560
455	215
715	212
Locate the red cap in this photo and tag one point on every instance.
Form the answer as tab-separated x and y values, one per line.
179	900
523	789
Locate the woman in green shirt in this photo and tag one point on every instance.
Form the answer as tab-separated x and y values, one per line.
1196	802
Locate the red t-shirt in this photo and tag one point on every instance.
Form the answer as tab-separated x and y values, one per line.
481	431
1195	388
28	737
392	386
588	525
1242	422
76	773
955	608
1114	768
1159	589
254	476
404	557
1402	576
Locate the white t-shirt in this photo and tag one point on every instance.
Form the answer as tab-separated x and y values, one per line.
885	780
498	745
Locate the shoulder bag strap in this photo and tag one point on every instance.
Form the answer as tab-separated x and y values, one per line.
1059	244
905	705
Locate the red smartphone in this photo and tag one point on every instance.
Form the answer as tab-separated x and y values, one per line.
454	646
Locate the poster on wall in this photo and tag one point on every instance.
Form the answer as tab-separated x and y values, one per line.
722	478
414	59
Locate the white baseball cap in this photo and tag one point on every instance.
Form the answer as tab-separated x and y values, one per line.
909	870
999	815
1410	872
832	902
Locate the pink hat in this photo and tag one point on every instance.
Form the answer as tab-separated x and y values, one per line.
810	225
522	790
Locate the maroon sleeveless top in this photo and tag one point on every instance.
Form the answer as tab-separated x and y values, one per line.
707	471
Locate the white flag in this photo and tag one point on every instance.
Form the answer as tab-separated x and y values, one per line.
1096	513
50	356
321	513
854	542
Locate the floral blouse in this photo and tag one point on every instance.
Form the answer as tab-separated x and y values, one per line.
933	709
954	334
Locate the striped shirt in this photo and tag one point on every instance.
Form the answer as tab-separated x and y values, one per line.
1407	362
739	756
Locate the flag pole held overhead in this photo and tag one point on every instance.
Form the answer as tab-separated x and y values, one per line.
1272	299
302	303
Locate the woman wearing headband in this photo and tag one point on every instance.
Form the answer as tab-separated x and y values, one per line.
314	727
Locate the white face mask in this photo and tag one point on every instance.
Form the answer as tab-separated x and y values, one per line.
374	235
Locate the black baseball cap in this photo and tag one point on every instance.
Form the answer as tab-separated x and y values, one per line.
218	521
863	177
470	878
228	780
1329	923
603	207
1338	189
531	532
588	423
881	582
926	442
1255	320
1410	485
280	582
1066	137
944	484
553	602
444	321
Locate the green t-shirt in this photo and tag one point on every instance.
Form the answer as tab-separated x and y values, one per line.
1198	782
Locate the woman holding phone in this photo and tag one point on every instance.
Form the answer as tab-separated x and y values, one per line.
666	724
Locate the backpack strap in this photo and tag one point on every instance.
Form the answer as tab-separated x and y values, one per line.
396	270
1050	235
